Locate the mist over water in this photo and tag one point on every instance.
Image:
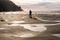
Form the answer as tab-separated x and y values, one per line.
33	12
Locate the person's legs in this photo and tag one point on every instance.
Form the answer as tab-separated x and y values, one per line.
30	15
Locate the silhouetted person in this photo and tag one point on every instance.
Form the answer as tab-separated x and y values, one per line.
30	14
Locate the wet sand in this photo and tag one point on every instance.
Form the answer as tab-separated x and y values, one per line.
21	27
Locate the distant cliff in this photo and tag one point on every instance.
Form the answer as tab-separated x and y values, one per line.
6	5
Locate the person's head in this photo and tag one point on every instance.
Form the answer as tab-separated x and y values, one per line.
30	10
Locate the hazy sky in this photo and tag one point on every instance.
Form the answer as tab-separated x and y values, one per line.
27	2
30	2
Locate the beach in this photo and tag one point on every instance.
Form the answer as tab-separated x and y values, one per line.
19	26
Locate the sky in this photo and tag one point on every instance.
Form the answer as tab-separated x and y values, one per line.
29	2
32	2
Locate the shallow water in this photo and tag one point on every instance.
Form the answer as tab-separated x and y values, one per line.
27	12
2	28
57	35
32	27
